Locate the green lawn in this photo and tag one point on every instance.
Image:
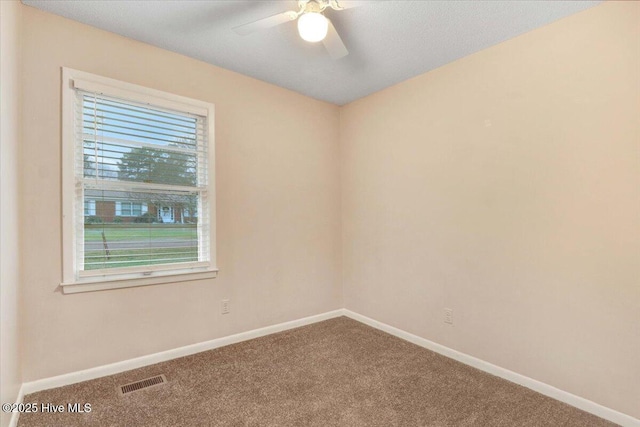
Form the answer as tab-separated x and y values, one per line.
96	256
93	233
129	258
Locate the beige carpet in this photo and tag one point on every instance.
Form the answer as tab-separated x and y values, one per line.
334	373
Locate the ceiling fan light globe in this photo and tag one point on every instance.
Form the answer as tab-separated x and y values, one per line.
312	27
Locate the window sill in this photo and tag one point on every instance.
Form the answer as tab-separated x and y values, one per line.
93	285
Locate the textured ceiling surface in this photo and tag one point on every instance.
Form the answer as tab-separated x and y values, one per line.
388	41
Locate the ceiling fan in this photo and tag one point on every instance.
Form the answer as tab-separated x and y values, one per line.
313	26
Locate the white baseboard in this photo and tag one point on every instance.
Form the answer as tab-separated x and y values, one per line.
542	388
139	362
13	422
114	368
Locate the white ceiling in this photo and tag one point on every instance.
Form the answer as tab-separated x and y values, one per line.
388	41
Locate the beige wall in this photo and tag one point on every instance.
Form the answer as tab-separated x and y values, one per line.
10	369
277	206
505	186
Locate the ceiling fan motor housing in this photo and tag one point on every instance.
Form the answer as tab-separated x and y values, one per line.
314	7
318	6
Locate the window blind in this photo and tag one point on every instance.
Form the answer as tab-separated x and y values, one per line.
145	170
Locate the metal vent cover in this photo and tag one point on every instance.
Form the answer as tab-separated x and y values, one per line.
139	385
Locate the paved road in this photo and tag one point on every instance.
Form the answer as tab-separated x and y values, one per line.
141	244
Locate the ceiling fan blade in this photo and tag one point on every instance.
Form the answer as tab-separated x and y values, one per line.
344	4
334	44
264	23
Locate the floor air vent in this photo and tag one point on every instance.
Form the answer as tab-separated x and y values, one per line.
139	385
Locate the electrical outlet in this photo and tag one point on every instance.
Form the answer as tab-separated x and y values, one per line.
225	306
448	316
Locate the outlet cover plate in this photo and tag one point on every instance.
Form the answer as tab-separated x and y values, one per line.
448	316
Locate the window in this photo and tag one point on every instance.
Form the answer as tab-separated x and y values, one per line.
130	209
89	207
190	213
136	162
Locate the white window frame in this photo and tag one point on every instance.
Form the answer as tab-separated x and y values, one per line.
72	281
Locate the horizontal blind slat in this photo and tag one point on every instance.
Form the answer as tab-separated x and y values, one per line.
114	126
132	107
92	142
139	187
90	115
